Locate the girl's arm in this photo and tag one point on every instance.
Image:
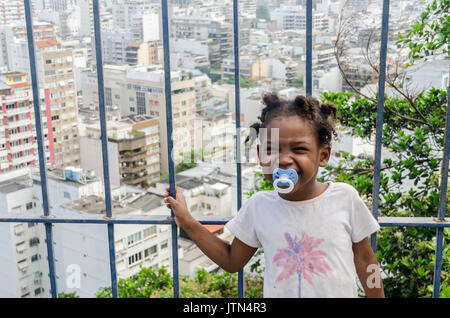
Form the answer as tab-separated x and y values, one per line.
368	269
231	258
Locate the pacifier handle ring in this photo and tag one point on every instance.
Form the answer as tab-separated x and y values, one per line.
283	190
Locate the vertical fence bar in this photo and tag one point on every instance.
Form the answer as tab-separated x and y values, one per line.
43	174
104	137
308	47
168	95
442	204
237	97
380	117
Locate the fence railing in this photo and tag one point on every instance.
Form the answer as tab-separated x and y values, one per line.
439	223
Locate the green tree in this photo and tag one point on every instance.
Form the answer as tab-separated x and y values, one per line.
243	82
68	295
298	82
148	283
142	285
430	33
413	133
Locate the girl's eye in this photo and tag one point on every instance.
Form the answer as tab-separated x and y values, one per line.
301	149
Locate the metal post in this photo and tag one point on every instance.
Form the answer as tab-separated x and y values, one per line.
104	137
380	115
168	95
442	204
37	113
308	83
238	124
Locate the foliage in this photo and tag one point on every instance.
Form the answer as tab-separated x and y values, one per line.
298	82
142	285
148	283
413	135
430	32
204	69
68	295
243	82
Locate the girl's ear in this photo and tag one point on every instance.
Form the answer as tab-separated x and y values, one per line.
324	155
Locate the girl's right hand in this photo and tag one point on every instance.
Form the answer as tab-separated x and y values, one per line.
178	206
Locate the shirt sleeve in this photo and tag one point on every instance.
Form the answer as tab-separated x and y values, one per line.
363	222
242	225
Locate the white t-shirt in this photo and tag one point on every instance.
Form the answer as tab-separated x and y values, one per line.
307	244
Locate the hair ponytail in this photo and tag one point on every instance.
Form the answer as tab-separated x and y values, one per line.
327	110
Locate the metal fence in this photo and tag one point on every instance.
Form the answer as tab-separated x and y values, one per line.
439	223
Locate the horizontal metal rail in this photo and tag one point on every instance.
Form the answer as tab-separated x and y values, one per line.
212	220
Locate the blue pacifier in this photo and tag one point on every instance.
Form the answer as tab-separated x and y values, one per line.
284	178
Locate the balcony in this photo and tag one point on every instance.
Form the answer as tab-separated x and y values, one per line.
134	168
134	180
22	147
18	123
24	159
21	135
130	156
18	110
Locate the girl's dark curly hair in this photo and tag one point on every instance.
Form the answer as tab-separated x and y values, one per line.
320	115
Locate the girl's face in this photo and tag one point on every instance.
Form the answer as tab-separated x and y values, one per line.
297	148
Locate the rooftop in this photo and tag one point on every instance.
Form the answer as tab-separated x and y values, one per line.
15	184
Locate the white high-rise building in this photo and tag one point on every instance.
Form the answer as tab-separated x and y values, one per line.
294	18
23	266
81	250
59	5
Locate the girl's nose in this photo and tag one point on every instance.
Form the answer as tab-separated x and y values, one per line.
285	160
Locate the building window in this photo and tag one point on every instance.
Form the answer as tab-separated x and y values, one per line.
164	245
29	205
140	103
108	99
136	237
66	195
134	258
34	241
150	251
151	231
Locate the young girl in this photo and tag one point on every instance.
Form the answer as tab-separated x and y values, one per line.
315	238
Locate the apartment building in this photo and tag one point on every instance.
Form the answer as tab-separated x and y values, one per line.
294	18
140	91
250	67
59	78
42	31
85	248
115	43
55	72
81	250
11	11
219	33
359	75
22	249
145	53
133	150
17	146
205	195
